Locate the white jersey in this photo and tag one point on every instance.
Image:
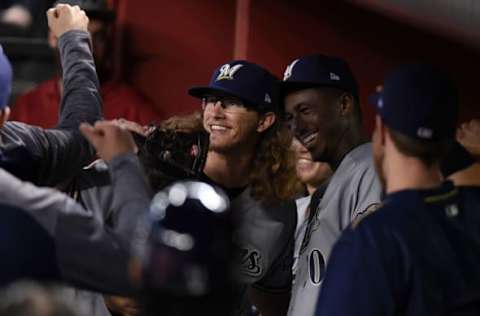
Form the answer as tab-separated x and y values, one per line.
302	221
353	189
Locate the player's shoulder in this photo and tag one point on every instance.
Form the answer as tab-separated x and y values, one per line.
470	192
403	208
355	165
360	156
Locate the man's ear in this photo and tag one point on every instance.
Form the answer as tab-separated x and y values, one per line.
4	115
346	104
266	120
381	129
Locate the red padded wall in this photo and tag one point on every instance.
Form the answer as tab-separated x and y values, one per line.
176	44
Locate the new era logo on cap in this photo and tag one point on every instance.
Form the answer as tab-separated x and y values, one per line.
425	133
334	76
267	98
227	72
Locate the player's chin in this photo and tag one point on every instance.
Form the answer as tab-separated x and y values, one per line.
318	152
220	145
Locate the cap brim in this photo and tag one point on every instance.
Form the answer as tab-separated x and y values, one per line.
201	91
292	86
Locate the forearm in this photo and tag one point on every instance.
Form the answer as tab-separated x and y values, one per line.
81	100
131	193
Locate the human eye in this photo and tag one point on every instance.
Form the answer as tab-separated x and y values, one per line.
305	110
232	103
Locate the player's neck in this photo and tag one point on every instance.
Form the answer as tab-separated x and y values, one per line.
404	173
230	171
351	138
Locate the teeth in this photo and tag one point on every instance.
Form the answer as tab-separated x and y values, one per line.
309	138
303	160
218	128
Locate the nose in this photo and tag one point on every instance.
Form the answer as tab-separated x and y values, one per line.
215	109
300	127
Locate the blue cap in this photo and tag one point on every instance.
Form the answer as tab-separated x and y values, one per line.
247	81
5	79
318	71
418	101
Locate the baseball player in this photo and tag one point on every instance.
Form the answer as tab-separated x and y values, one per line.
49	157
248	158
321	105
244	134
419	253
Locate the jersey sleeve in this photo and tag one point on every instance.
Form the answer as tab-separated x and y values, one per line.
88	254
57	154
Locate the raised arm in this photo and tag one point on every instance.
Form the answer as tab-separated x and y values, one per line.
54	155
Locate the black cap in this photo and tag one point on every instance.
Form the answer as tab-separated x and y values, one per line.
318	71
242	79
418	101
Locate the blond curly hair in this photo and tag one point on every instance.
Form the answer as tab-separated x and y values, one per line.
274	178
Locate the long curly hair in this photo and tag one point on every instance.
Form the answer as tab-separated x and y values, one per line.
274	178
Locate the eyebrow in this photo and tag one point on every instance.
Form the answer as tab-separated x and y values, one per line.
302	103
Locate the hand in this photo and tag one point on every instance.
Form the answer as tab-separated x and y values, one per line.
122	305
64	18
132	126
109	139
468	134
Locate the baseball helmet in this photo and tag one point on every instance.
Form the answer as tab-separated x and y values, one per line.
186	251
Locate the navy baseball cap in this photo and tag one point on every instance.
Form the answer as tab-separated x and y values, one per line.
247	81
418	101
5	79
319	71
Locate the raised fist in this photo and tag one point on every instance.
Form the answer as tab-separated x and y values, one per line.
109	139
63	18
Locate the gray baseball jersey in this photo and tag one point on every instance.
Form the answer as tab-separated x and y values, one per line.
353	189
83	251
263	236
